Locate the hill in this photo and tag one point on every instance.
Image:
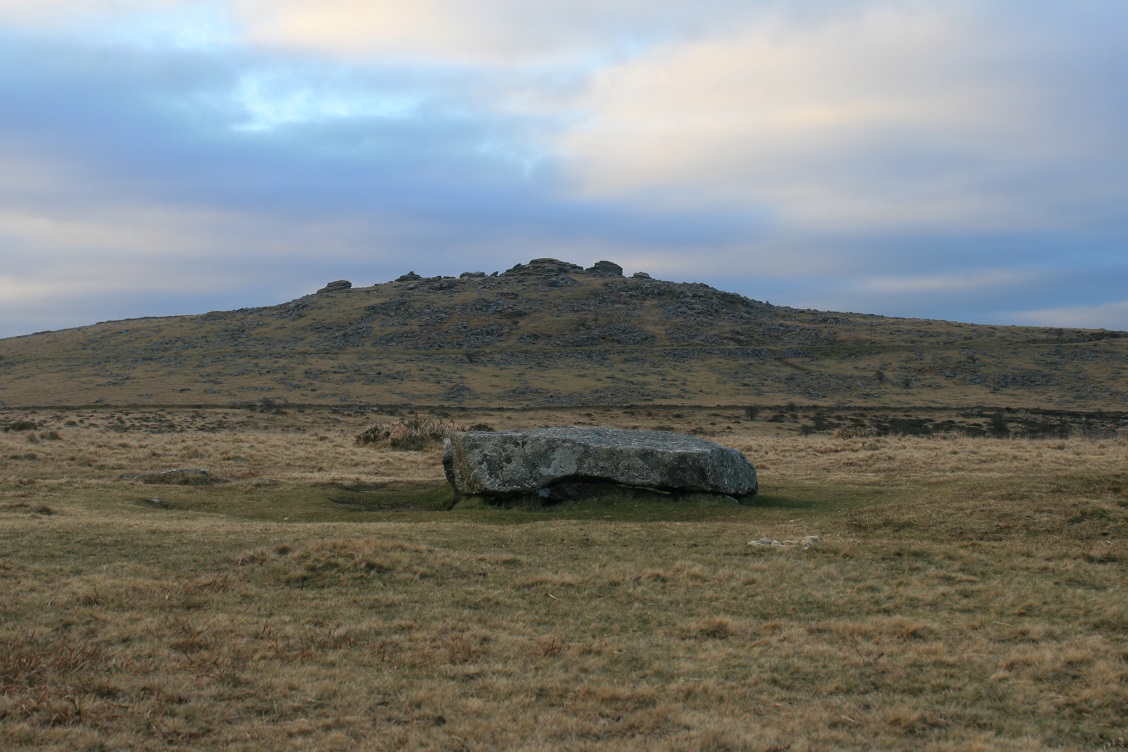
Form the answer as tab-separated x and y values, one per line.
550	333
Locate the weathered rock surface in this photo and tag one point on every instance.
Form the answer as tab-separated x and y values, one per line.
606	269
338	286
521	463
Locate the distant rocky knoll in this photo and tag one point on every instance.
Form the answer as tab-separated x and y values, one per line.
554	333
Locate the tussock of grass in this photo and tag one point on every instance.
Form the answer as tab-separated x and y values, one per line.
178	478
28	508
334	562
413	433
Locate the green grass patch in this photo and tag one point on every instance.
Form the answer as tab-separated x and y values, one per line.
621	505
426	502
301	503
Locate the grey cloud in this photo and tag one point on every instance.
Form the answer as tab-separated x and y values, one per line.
153	141
462	176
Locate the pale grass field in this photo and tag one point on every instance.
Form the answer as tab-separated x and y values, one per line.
966	594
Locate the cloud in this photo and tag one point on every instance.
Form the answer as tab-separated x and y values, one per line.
903	115
488	32
54	12
1087	291
959	160
152	24
977	281
134	172
1106	316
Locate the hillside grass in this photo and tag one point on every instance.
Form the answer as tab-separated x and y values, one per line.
966	593
561	344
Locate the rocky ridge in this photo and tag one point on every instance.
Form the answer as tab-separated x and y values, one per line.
551	332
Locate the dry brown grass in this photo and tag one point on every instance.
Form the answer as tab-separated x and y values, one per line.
966	594
414	432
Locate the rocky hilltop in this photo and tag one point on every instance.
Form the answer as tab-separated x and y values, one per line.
554	333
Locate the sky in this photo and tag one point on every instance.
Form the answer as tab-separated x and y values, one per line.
963	160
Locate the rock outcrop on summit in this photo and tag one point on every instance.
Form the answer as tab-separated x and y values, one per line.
606	269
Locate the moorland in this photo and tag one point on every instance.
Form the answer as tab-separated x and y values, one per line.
549	333
967	591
